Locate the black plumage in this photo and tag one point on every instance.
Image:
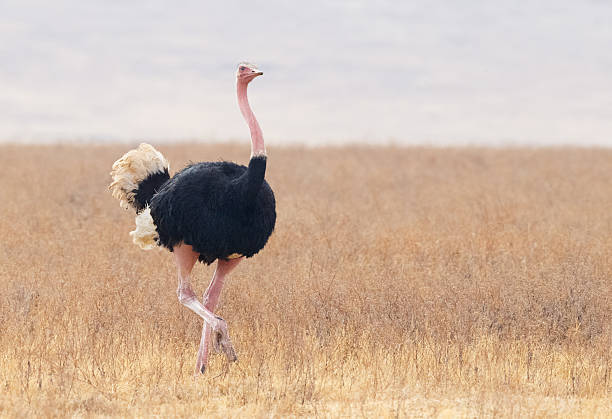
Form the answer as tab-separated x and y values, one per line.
149	187
219	208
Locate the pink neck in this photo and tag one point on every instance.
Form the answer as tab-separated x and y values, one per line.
257	142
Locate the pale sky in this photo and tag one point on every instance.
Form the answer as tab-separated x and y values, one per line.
428	72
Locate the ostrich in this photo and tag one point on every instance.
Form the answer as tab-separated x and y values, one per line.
208	211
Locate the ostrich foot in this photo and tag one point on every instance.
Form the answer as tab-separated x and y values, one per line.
221	344
221	341
202	359
200	369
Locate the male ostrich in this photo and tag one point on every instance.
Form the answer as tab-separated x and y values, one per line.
208	211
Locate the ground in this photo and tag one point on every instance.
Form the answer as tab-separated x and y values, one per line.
404	282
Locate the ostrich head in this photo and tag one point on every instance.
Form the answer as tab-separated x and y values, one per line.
247	72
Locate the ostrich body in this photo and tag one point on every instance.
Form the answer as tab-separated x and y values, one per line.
221	209
208	211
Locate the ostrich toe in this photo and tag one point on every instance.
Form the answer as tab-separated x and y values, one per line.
222	343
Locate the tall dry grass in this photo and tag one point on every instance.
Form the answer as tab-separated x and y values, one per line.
398	282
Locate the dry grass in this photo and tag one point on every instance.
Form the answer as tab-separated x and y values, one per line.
398	282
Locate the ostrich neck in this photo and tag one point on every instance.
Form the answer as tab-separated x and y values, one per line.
257	142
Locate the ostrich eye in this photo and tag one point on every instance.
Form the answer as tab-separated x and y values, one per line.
242	68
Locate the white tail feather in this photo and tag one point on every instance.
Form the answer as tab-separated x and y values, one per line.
132	168
145	234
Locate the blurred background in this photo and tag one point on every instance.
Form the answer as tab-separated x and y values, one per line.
428	72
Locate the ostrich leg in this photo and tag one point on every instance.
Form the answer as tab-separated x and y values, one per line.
185	259
211	299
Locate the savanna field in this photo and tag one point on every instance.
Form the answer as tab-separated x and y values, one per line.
399	282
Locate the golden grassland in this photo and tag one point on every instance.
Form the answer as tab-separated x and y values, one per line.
399	282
